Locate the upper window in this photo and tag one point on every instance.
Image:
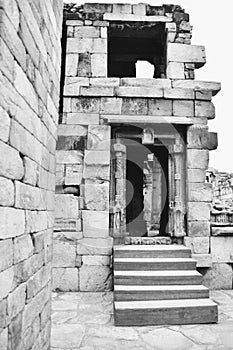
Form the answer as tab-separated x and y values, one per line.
129	43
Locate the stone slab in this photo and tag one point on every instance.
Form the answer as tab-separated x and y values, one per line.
222	249
95	278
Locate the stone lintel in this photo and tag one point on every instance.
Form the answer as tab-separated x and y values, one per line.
222	230
145	119
127	17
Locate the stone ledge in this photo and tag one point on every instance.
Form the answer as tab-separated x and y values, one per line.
130	119
127	17
222	230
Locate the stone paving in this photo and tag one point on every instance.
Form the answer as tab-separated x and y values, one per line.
85	321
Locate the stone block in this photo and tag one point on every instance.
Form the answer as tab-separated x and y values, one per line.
204	109
95	223
31	171
186	53
205	95
183	108
100	47
221	230
69	225
159	107
66	206
134	106
82	118
85	105
198	228
197	136
95	246
139	9
177	93
199	211
112	82
198	245
196	175
110	105
86	32
104	32
16	300
6	254
73	174
99	137
214	87
38	241
122	8
96	172
96	196
77	45
212	141
71	130
65	279
96	91
71	69
203	260
219	276
99	65
23	248
73	84
95	279
15	333
69	157
198	192
222	249
84	65
175	70
6	282
60	174
12	222
146	82
100	157
28	197
36	220
7	192
197	159
64	253
96	260
11	165
4	125
4	339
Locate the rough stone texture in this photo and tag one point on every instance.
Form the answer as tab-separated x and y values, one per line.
94	246
198	245
222	249
198	228
199	211
96	196
29	84
66	279
95	223
219	276
95	278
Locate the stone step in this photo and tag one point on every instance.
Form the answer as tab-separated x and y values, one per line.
165	312
164	292
151	251
169	277
154	264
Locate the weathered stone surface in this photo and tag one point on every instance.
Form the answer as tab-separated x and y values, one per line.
196	175
212	142
198	85
16	300
64	253
4	339
69	157
139	91
95	223
38	241
70	336
4	125
82	118
204	109
31	171
85	105
100	260
183	108
98	137
199	211
6	282
198	245
219	276
96	91
71	130
197	137
99	64
175	70
134	106
15	333
198	192
110	105
84	65
12	222
186	53
96	197
23	248
177	93
65	279
28	197
67	206
139	9
6	254
158	83
100	157
73	174
222	230
36	220
11	165
203	260
7	192
95	278
222	249
72	64
197	159
95	246
198	228
159	107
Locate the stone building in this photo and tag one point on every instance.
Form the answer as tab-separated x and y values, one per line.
131	156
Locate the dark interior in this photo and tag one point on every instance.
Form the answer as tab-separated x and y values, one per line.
130	42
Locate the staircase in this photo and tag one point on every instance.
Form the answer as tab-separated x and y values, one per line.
159	285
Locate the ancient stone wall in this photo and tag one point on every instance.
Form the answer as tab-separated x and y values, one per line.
92	102
29	82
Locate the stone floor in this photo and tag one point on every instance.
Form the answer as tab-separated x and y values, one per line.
85	321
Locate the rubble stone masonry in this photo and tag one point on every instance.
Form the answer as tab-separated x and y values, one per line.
30	34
